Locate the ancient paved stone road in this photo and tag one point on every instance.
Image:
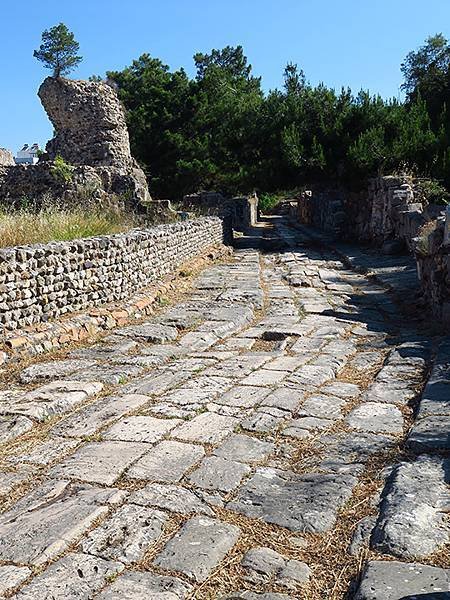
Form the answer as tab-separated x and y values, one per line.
254	441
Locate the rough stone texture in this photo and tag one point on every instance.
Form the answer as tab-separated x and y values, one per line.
411	523
89	419
244	448
46	521
263	564
171	497
216	473
376	417
402	581
146	586
102	462
140	429
6	158
127	535
78	274
46	452
89	122
11	426
303	503
11	577
207	428
75	576
200	545
167	462
51	399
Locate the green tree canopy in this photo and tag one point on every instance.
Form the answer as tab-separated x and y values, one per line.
59	50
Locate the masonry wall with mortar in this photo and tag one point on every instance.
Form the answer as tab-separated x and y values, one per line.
44	281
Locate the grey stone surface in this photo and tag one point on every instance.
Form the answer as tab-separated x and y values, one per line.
302	503
198	547
244	448
322	406
167	462
56	369
171	497
411	522
12	426
149	332
10	479
11	577
263	560
146	586
140	429
243	395
47	451
431	434
376	417
217	473
99	462
76	576
48	400
341	389
401	581
46	521
263	422
264	377
284	398
126	535
206	428
361	535
89	419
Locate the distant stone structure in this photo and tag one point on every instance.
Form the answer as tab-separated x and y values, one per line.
92	136
6	158
89	123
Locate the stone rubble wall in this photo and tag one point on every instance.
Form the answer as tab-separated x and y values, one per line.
387	211
242	211
389	216
44	281
433	267
6	157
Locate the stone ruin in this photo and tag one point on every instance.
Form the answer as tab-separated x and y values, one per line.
91	135
6	158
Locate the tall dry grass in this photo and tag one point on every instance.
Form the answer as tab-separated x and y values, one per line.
55	223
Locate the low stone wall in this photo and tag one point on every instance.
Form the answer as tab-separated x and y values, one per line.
43	282
242	211
433	267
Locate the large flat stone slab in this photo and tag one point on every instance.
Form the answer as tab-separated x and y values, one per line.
198	547
55	369
149	332
12	426
47	451
75	576
11	577
99	462
91	418
403	581
126	535
430	434
48	400
45	522
218	474
412	522
167	462
172	498
135	585
244	396
376	417
244	448
207	428
302	503
140	429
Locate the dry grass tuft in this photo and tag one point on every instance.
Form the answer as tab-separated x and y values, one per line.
59	223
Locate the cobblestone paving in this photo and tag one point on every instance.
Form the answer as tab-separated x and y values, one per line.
265	438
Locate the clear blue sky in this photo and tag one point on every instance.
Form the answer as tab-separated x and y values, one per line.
359	43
